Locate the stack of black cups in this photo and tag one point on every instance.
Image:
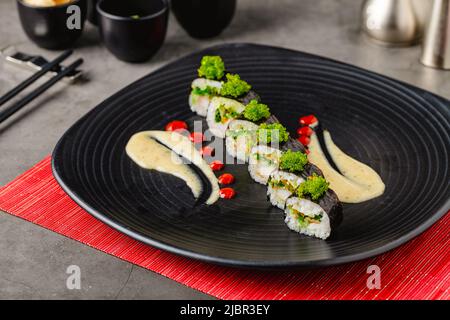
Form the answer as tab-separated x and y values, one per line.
132	30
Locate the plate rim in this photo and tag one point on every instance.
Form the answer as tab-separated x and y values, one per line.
440	212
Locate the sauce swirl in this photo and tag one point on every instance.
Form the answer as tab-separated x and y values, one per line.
161	151
357	183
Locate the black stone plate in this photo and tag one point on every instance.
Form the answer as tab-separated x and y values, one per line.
399	130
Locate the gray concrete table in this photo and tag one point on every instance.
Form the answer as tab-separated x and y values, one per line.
33	260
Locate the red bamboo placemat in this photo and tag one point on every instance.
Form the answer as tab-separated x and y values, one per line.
419	269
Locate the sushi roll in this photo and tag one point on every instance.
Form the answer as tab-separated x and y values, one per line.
307	217
314	209
281	186
263	160
220	112
240	139
203	90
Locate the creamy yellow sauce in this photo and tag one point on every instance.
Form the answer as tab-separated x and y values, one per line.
161	151
357	183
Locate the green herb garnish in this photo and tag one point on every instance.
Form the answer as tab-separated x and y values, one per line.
293	161
275	132
208	91
315	186
255	111
211	67
234	86
135	16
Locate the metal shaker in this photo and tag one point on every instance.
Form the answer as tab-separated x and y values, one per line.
391	22
436	44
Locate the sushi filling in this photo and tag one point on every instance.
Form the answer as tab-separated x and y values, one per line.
281	186
307	217
203	90
263	161
240	138
220	112
303	219
224	113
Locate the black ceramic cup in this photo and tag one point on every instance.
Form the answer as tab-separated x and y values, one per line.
204	18
48	26
92	11
133	30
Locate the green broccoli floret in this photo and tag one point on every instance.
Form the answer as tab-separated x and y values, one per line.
208	91
293	161
315	186
211	67
275	132
234	87
255	111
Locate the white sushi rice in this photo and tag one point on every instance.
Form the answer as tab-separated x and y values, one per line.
308	208
227	106
240	139
203	83
263	160
279	194
200	103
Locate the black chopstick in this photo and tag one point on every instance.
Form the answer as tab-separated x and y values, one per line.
36	92
47	67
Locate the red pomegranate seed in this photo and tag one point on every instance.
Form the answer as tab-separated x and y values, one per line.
176	125
196	137
304	140
226	178
207	151
308	120
227	193
216	165
305	131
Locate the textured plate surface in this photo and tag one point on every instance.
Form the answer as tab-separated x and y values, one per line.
400	131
